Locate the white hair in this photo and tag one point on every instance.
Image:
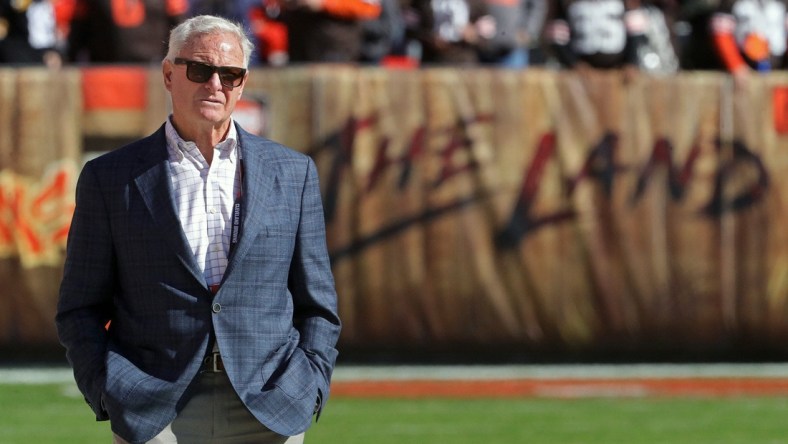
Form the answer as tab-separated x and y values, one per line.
207	24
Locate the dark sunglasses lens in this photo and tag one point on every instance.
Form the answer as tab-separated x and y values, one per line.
198	72
231	76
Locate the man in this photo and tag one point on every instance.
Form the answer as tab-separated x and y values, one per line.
659	51
518	29
326	30
600	34
450	31
29	33
128	31
197	301
750	36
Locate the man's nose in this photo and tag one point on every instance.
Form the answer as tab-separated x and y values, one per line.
215	82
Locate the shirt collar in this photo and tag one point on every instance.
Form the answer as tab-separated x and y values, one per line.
178	148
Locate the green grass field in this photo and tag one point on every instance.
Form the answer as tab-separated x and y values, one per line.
56	413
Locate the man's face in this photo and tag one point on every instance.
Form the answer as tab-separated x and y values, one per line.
211	103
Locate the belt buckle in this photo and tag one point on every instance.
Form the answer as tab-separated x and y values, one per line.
217	359
215	362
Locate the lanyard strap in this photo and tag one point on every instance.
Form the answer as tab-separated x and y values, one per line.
235	216
237	206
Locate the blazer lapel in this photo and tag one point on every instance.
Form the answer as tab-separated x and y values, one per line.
153	182
258	181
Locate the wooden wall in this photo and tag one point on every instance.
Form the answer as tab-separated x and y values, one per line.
524	210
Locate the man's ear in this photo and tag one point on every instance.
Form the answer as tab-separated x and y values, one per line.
166	71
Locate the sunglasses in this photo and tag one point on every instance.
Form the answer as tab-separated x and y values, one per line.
199	72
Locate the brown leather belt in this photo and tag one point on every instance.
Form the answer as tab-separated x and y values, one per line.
213	363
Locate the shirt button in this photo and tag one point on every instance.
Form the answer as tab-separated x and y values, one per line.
212	210
216	307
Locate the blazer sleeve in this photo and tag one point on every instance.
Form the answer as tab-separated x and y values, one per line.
312	285
83	308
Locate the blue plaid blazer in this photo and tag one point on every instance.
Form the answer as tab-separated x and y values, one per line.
275	316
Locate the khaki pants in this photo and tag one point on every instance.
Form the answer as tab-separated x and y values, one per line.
215	414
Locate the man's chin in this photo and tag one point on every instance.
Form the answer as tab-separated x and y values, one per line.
211	116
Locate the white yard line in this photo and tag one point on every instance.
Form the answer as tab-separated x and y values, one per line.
63	375
36	375
580	371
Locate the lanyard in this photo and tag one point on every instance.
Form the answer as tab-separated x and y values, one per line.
237	205
236	215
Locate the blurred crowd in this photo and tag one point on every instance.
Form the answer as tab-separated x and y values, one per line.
658	36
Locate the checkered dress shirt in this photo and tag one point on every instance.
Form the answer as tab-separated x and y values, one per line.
204	197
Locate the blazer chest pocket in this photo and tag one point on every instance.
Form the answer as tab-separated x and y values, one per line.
274	241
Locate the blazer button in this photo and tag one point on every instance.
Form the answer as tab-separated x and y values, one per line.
216	307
